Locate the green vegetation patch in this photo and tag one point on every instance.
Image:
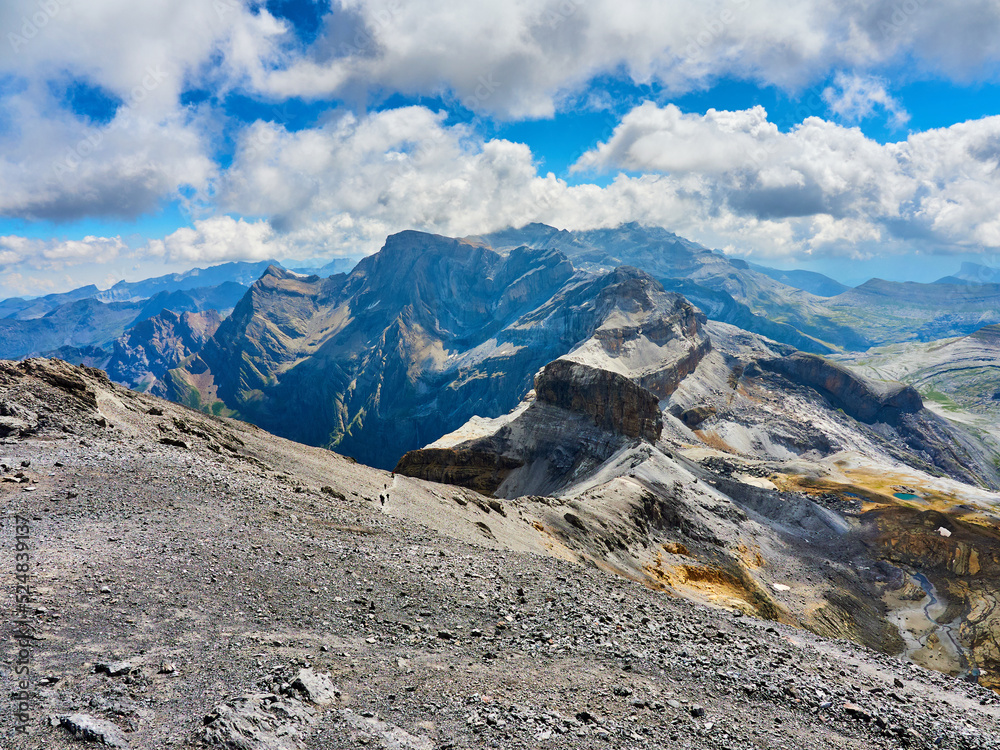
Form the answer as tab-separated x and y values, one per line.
942	399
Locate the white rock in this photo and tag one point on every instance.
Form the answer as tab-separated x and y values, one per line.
316	687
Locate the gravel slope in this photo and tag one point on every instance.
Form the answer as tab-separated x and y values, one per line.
171	580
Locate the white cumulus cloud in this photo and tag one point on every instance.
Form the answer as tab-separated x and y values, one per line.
219	239
58	254
523	58
856	98
831	184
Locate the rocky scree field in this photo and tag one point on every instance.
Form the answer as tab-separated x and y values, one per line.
201	583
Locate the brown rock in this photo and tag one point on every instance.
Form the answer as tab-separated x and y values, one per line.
613	401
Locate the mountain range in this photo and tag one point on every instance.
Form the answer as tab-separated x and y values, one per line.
807	310
431	331
621	398
83	324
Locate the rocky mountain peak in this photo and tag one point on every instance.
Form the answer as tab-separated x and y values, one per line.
451	287
275	271
153	346
413	247
631	289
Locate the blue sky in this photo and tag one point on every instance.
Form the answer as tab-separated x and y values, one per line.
855	138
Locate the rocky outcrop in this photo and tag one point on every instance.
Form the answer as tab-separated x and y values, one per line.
579	417
988	336
694	416
539	451
612	401
868	401
261	721
90	729
657	343
481	470
60	375
288	719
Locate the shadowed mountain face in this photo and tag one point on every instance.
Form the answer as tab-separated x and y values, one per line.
157	344
418	339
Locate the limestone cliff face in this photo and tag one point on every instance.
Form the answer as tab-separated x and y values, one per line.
481	470
576	418
417	342
653	337
866	400
612	401
417	339
900	424
538	452
265	332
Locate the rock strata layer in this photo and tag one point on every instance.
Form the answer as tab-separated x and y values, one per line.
612	401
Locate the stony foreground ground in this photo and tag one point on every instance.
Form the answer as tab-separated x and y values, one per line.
200	583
